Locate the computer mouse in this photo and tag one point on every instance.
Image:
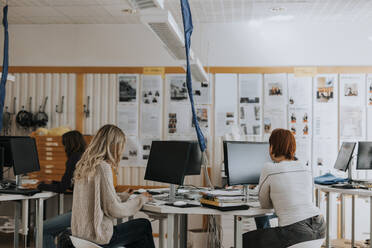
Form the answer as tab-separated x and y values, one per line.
141	191
179	203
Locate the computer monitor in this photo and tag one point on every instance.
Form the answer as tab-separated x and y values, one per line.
364	157
344	156
24	155
168	161
244	161
195	159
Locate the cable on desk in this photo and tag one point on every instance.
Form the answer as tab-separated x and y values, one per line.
214	230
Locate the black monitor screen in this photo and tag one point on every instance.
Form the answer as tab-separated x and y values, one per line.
7	160
195	159
364	158
244	161
344	156
24	153
168	161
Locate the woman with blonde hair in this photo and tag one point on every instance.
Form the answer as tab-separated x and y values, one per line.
95	202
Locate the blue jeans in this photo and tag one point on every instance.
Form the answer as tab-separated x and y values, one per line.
53	227
135	233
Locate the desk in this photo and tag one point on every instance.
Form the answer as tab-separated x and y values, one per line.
18	199
179	215
353	192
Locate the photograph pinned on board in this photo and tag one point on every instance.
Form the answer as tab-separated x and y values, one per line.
293	118
351	89
178	89
267	125
305	118
149	97
172	123
305	130
249	100
325	89
127	88
202	117
293	130
275	89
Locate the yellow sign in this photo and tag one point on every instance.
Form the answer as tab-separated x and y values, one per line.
153	70
305	71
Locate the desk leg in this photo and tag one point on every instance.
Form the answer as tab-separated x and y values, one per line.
170	231
17	211
352	221
183	231
39	223
328	212
342	202
317	197
177	231
25	220
161	232
61	200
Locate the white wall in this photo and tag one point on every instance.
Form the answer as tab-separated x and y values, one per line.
241	44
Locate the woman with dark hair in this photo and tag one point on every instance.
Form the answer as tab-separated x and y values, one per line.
286	185
75	145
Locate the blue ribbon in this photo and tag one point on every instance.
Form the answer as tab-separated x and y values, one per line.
4	75
188	28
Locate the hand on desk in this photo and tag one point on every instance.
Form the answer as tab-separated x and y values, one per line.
147	195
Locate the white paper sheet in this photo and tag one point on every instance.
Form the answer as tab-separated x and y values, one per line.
145	147
151	121
275	90
130	156
201	92
177	88
151	90
127	118
250	88
352	123
324	155
128	88
325	121
226	94
299	90
178	120
325	89
202	114
273	118
369	123
250	119
352	89
299	120
303	150
369	90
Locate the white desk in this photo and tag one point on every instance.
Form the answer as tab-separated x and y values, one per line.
173	214
353	192
18	199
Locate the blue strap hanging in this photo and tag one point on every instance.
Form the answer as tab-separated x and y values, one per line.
188	28
4	75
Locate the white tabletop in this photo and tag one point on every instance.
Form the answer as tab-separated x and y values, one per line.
16	197
164	209
359	192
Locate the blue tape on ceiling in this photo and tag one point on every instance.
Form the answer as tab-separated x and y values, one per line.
188	28
4	75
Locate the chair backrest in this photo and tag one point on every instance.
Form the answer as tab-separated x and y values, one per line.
309	244
81	243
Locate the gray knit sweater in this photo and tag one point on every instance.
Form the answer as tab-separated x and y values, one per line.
96	205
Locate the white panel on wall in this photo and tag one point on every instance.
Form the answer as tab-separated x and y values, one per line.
37	87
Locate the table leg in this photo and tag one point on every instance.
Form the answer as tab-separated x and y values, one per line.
328	213
177	231
183	231
161	232
17	211
352	221
25	220
39	223
317	197
342	202
170	231
61	199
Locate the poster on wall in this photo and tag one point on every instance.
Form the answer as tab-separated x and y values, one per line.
273	118
178	120
226	99
352	123
299	121
352	89
127	88
177	89
151	121
303	150
275	88
299	90
127	118
202	92
130	156
250	121
202	115
326	88
151	90
145	147
324	154
325	121
250	88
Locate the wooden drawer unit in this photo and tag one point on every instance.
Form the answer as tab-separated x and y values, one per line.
52	158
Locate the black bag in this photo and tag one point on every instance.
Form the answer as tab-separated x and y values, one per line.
64	240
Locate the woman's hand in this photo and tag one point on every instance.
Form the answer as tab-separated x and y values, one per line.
129	191
149	196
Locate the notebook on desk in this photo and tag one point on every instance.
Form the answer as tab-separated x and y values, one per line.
28	192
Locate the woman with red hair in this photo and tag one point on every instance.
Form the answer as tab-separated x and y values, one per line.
286	185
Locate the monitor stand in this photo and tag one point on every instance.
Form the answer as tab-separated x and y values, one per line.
172	193
18	181
246	193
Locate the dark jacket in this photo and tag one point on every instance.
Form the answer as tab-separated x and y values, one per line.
66	182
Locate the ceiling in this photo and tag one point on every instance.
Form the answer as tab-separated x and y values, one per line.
204	11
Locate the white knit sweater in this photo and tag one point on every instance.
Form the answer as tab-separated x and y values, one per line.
96	204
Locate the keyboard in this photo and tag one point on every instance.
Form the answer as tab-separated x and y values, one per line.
27	192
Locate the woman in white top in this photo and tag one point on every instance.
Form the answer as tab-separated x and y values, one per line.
286	185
